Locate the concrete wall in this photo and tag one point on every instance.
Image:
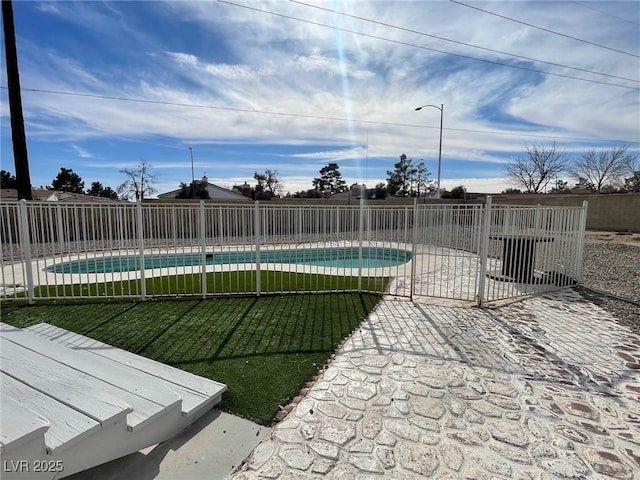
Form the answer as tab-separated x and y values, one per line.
616	211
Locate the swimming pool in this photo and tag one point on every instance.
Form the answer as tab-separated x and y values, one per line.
338	257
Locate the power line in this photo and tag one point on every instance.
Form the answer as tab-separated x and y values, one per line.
462	43
605	13
312	117
546	29
493	62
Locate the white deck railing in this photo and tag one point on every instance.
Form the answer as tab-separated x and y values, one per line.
472	252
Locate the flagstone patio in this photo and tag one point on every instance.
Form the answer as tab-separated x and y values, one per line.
548	387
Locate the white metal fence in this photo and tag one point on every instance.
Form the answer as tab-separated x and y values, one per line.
472	253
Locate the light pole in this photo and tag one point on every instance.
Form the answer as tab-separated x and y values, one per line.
193	177
441	108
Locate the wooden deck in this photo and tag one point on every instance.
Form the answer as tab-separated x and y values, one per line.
70	402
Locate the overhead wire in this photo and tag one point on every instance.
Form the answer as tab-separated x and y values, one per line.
545	29
399	42
312	117
605	13
466	44
240	110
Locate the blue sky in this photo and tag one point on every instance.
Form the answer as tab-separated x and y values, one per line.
253	88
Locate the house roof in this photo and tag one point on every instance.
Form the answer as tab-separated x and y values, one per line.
45	195
215	192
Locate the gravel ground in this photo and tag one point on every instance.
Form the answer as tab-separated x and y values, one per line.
612	266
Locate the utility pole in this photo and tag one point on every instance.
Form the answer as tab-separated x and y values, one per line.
18	136
441	108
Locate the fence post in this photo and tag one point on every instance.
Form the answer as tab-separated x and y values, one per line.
25	244
583	227
360	238
414	242
256	233
538	220
203	250
140	225
60	229
484	250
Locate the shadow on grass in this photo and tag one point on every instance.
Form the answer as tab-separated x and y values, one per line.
265	349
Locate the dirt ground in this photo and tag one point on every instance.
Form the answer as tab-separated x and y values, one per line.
627	238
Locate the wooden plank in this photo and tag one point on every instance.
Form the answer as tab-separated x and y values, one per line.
108	371
195	391
99	400
67	426
19	424
174	375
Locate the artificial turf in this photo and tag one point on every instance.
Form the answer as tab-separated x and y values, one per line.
218	283
264	348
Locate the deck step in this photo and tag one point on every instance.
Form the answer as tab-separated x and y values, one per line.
97	399
198	393
20	425
67	426
113	373
68	399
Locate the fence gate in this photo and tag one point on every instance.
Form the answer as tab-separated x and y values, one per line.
487	253
530	249
447	242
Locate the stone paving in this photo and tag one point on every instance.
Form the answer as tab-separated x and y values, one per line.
544	388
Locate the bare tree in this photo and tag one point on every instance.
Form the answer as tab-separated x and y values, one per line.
139	182
541	165
269	181
605	168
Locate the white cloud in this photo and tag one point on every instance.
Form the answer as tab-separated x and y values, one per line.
48	7
335	155
483	185
272	64
183	58
298	85
82	153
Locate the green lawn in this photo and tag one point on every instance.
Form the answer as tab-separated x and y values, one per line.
217	283
264	349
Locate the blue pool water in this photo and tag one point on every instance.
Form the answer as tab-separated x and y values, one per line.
342	257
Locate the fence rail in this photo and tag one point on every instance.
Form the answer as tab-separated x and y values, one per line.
472	253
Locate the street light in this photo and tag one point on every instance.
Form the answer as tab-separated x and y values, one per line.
441	108
193	177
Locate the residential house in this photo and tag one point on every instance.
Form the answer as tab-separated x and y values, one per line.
215	192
